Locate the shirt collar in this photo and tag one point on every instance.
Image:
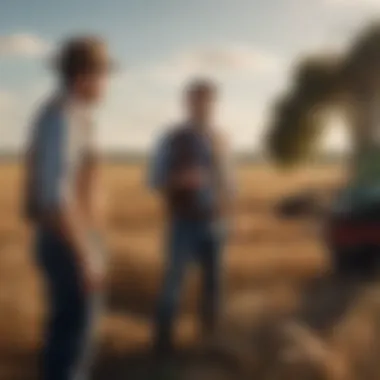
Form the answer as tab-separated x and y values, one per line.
75	106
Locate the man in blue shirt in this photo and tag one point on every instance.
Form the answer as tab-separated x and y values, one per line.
61	176
190	170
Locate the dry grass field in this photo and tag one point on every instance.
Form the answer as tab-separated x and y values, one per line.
267	262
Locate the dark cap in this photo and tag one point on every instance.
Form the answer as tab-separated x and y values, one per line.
201	86
83	55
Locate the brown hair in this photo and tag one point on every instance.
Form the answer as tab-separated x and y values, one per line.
201	87
82	55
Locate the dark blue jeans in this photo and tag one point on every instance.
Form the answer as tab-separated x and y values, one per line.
189	241
71	312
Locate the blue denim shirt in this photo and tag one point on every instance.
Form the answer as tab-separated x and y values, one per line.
59	144
160	164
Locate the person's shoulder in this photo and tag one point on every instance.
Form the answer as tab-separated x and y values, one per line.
171	133
177	129
50	109
41	114
219	137
49	120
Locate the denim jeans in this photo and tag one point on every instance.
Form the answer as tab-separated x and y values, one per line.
189	241
72	312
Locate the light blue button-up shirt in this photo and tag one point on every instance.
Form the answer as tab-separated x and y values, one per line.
60	142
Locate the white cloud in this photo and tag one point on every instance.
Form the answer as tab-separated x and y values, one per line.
9	119
23	45
218	62
146	99
355	3
6	100
17	110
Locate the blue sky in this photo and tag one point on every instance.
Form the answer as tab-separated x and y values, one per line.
247	45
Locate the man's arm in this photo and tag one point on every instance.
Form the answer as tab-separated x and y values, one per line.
92	197
225	173
159	165
56	193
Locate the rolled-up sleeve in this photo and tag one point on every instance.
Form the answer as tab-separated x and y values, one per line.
226	167
50	163
230	176
159	164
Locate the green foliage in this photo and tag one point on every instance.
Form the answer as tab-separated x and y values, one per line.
298	117
319	82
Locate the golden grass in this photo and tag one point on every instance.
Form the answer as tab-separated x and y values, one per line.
267	260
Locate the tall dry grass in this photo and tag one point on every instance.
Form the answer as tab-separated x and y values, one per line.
266	266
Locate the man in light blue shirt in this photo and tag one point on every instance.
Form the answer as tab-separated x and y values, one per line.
61	173
190	171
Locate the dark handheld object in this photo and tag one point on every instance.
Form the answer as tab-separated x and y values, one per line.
188	151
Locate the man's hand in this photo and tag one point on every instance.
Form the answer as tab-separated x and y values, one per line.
93	279
190	179
69	224
91	267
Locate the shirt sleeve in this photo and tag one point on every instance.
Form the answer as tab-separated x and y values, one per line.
91	141
229	174
52	181
225	165
159	164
